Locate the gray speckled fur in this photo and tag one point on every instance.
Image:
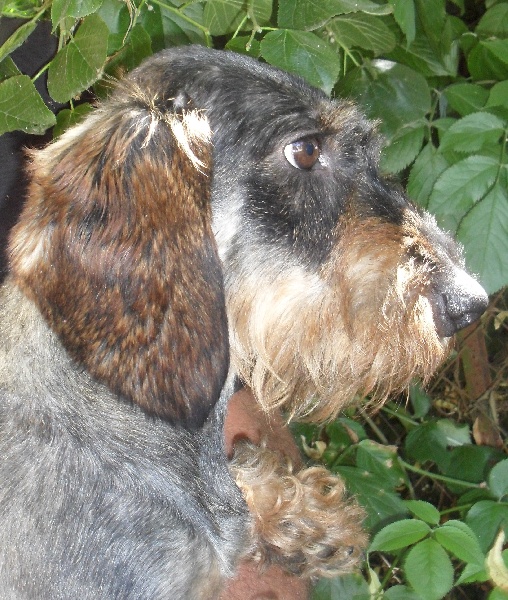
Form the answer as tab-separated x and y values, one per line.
98	500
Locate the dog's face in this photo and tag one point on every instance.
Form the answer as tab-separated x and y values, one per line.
334	284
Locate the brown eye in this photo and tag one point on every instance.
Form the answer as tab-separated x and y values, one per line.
302	154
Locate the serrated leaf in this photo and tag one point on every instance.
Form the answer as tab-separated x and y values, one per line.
426	170
466	98
17	38
310	14
404	13
472	132
494	23
224	16
380	460
429	570
8	69
303	53
307	14
424	511
393	93
352	585
498	95
419	57
79	64
179	30
381	505
67	118
459	187
400	534
21	107
472	574
486	518
484	234
400	592
137	47
360	30
402	150
61	9
461	544
498	479
483	64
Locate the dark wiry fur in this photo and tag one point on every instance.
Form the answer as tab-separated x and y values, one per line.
145	255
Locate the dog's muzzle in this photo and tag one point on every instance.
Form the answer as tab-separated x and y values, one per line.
457	302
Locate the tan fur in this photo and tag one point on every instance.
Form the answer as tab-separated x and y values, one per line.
312	344
302	519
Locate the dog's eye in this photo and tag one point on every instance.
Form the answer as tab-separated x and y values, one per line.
302	154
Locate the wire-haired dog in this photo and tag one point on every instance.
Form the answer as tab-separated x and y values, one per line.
148	251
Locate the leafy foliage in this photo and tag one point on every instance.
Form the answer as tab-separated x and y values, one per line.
435	75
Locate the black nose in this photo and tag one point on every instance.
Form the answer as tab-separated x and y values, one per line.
460	301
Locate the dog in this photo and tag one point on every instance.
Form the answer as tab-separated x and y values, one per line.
215	222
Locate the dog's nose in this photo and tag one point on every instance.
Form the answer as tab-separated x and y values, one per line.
460	302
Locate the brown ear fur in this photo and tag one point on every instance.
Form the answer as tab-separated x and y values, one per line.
116	248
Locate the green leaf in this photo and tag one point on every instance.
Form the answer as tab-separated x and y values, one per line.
351	586
424	511
381	505
137	47
243	44
471	574
494	22
420	400
400	592
17	38
67	118
469	463
432	440
498	479
499	94
360	30
429	570
420	57
459	187
178	30
466	98
21	107
79	64
472	132
302	53
484	234
61	9
403	148
307	14
400	534
393	93
486	518
311	14
224	16
8	69
460	541
484	64
404	13
380	460
426	170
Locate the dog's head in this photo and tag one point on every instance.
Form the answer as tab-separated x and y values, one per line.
335	284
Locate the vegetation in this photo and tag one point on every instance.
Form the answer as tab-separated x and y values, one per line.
435	74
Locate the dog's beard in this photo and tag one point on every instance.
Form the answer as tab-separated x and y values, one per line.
315	342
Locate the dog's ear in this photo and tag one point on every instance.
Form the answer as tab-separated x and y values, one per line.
115	246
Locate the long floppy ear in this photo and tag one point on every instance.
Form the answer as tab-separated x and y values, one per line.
116	248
